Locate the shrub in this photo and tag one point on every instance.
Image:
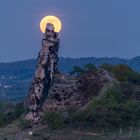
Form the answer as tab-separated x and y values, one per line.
111	110
123	72
10	112
15	113
104	111
90	68
25	123
130	112
53	119
2	117
77	71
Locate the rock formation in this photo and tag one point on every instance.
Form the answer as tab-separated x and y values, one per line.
76	92
47	67
53	91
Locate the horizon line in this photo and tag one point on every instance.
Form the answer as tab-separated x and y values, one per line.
116	57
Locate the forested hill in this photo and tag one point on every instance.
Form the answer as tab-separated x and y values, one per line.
15	77
24	69
66	64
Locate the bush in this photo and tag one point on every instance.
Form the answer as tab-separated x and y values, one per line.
111	110
123	72
2	117
104	111
10	112
53	119
15	113
90	68
77	71
130	112
25	123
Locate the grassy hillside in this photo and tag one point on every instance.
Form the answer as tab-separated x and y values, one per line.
110	114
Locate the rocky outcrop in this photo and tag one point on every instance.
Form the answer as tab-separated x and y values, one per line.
47	64
69	91
51	90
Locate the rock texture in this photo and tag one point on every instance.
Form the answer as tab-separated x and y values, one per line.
47	65
69	91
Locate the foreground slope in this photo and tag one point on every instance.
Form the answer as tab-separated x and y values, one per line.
89	105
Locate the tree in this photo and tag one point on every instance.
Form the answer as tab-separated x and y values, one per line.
122	71
89	67
107	67
77	71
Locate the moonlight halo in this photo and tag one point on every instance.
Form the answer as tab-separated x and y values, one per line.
53	20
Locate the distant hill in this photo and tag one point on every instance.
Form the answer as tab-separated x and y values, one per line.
26	68
15	77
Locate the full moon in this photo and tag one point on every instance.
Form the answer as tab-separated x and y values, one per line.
53	20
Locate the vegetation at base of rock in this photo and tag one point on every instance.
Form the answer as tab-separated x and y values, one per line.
112	110
24	123
10	112
53	119
113	107
117	106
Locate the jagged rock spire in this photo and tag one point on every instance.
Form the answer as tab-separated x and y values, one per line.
47	67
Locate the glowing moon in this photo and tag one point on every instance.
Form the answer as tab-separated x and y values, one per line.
53	20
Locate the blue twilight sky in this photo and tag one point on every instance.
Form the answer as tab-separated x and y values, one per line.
90	27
